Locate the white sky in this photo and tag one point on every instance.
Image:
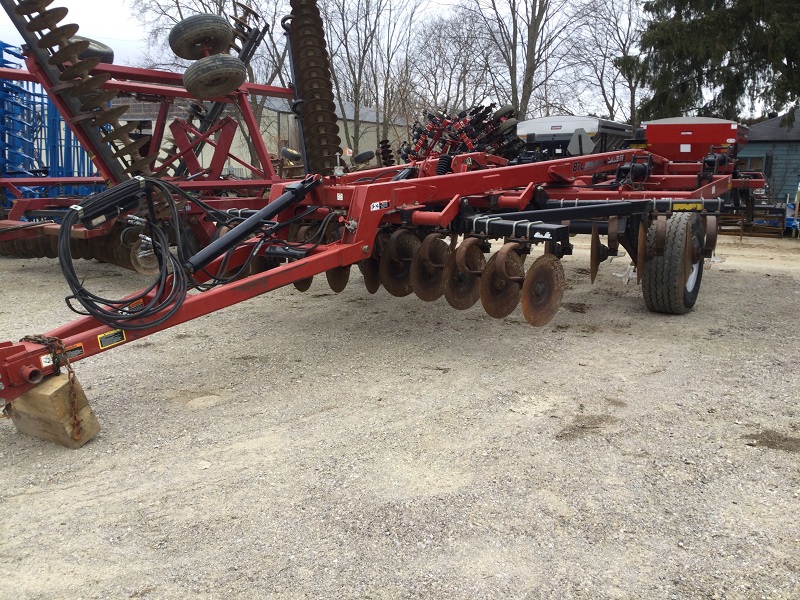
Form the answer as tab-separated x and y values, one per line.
107	21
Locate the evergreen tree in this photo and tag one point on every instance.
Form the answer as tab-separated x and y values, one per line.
711	57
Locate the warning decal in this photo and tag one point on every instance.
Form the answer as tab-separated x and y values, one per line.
74	351
687	206
112	338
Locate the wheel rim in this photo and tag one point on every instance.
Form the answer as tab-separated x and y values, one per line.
691	281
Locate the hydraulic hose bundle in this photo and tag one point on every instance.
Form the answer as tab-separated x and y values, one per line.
156	302
176	271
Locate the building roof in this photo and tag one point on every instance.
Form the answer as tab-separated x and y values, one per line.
149	110
688	121
771	130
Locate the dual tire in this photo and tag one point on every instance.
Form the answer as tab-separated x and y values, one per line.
206	39
671	281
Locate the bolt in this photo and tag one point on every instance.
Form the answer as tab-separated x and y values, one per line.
364	249
2	387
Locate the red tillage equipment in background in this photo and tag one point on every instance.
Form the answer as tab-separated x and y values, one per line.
83	90
689	138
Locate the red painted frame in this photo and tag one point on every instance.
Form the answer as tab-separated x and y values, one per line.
366	203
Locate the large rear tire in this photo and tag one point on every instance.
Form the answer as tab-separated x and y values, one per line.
671	282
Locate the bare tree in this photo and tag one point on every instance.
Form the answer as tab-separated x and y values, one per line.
452	67
391	74
353	28
609	55
524	34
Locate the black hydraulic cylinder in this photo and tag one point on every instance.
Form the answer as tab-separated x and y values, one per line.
293	194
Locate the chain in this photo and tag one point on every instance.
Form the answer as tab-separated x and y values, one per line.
56	347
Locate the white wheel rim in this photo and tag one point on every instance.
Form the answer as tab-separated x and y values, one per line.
692	279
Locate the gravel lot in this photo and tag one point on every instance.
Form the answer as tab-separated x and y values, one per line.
313	446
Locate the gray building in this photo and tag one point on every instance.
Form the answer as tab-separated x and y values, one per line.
774	149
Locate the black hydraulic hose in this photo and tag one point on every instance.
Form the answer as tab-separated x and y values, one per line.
168	289
293	194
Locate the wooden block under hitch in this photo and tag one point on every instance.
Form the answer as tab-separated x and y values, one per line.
46	412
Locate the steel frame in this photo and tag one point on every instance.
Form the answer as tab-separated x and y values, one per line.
163	88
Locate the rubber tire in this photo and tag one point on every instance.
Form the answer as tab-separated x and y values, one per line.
95	48
506	111
363	157
507	126
663	278
214	76
186	37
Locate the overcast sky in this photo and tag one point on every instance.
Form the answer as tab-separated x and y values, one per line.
107	21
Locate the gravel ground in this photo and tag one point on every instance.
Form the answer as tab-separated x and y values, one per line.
313	446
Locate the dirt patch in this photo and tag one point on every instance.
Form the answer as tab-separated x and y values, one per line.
576	307
584	425
774	441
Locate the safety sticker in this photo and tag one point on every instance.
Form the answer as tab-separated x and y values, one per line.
112	338
74	351
379	205
687	206
47	360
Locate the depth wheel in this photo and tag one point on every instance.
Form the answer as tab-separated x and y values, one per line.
214	76
197	35
671	282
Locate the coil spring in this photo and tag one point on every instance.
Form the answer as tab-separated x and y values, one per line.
385	153
444	164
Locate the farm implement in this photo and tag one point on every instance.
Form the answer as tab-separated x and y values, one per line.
457	225
188	139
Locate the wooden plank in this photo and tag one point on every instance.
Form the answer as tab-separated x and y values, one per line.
45	412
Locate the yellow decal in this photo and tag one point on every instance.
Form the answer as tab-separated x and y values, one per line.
687	206
112	338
